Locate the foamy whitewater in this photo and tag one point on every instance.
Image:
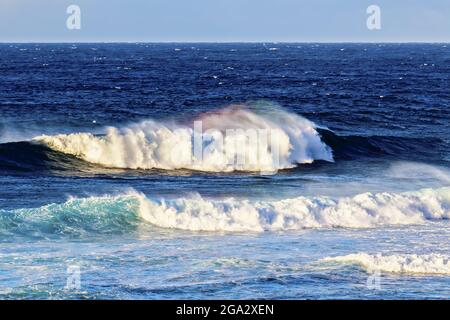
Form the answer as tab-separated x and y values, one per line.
226	143
119	213
362	211
402	263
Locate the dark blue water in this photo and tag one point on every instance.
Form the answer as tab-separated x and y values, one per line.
380	108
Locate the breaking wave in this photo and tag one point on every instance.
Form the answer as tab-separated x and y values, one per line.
403	263
118	214
226	143
366	210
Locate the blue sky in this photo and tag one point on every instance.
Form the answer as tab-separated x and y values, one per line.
225	21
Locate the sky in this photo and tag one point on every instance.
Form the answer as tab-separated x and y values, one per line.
225	21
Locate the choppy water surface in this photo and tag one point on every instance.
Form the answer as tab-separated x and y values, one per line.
359	206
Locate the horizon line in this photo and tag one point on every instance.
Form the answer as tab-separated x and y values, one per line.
224	42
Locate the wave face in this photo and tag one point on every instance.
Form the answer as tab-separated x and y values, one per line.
33	157
354	147
156	145
75	217
123	213
405	263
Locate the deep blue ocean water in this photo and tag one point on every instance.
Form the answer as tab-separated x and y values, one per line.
381	108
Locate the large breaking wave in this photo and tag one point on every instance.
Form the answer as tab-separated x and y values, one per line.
169	146
118	214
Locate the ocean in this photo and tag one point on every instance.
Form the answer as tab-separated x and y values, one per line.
100	197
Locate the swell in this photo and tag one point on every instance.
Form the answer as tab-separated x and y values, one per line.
400	148
125	213
32	157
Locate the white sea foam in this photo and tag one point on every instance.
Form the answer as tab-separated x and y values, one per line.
151	144
366	210
103	214
403	263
